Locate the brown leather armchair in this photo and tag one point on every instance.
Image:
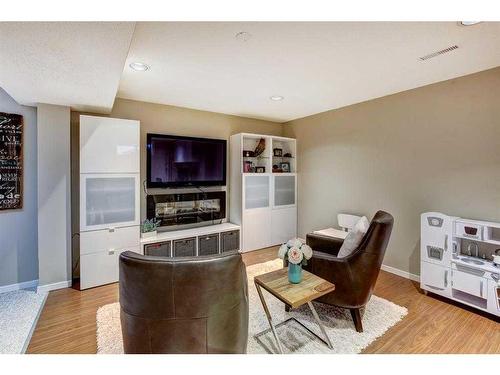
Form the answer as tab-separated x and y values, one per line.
183	305
355	275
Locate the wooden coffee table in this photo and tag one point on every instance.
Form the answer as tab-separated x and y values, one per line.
293	295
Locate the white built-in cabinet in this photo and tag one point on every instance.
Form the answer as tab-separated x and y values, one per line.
109	196
263	202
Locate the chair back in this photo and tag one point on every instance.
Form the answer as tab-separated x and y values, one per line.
183	305
366	260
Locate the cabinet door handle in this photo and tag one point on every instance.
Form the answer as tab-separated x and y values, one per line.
446	242
111	251
481	288
445	279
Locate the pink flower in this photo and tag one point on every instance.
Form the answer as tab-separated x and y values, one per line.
295	256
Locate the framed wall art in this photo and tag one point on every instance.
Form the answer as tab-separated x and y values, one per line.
11	161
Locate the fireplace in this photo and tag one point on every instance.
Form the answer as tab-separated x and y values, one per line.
187	208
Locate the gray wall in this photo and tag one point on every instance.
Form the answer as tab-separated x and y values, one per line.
54	186
432	148
18	228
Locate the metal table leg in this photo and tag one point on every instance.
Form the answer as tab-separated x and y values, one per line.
269	318
327	339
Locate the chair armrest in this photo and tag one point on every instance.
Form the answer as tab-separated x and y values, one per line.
324	244
339	272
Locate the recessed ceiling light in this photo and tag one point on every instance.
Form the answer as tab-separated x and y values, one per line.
138	66
469	23
276	98
243	36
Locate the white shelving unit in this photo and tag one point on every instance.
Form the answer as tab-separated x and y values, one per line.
263	203
109	196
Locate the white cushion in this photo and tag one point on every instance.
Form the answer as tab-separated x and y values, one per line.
347	221
354	237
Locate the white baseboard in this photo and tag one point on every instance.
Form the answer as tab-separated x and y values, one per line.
396	271
19	286
48	287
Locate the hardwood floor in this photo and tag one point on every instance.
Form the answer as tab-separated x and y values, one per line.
68	321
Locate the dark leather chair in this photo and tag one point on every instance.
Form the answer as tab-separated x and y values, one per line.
355	275
183	305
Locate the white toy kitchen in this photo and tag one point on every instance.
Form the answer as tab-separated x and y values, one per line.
460	260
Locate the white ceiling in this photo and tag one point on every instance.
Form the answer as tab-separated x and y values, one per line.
77	64
315	66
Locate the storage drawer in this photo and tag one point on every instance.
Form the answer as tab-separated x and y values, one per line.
185	247
117	238
208	245
159	249
230	241
469	283
100	268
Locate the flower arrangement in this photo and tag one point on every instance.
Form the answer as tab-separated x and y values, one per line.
295	251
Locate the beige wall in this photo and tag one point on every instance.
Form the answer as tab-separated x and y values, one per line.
432	148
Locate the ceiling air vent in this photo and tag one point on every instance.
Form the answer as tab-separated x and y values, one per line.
437	53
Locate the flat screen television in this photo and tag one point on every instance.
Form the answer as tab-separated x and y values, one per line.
175	161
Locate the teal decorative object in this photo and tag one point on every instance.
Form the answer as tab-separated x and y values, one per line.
294	273
296	253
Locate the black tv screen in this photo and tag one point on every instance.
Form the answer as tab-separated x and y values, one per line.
175	161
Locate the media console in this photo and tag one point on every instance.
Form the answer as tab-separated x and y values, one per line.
207	240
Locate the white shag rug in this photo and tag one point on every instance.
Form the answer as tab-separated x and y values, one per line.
19	312
378	316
